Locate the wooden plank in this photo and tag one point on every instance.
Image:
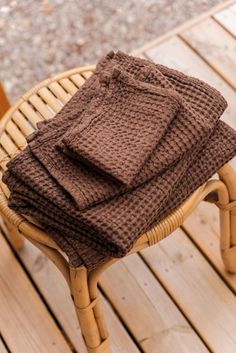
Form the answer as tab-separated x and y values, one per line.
216	46
197	289
176	54
202	227
25	324
227	18
183	26
146	309
2	347
50	281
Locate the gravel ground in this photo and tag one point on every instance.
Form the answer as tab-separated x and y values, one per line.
40	38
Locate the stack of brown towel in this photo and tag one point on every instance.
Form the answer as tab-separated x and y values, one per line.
128	148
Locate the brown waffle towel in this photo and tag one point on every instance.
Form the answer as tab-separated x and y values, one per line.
126	150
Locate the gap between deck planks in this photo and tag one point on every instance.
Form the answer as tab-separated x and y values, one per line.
2	347
227	19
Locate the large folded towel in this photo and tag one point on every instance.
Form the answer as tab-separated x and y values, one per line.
201	107
163	130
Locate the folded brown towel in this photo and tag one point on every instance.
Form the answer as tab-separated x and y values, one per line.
51	186
123	125
201	107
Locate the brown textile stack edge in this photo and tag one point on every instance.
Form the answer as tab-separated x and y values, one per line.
128	148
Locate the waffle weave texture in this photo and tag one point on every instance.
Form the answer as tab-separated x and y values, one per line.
128	148
122	125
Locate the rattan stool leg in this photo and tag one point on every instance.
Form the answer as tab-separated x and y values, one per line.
15	238
87	309
228	175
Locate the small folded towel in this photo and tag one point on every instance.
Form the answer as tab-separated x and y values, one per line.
122	125
91	215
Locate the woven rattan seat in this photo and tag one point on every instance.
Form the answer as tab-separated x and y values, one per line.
43	102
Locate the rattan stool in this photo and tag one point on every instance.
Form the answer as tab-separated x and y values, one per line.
43	102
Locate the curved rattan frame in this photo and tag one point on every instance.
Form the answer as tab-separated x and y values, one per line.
44	101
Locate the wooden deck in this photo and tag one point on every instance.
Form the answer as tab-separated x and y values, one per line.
174	297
